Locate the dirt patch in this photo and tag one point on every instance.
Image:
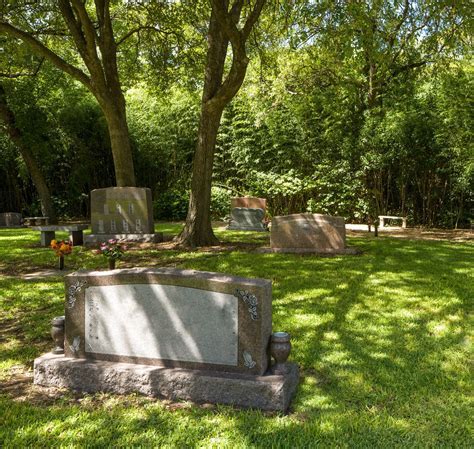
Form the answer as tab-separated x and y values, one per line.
19	387
453	235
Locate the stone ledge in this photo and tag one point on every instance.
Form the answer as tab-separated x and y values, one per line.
246	228
53	228
268	392
91	239
328	252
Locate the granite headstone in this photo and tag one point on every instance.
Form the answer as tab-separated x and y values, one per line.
10	220
124	213
308	233
247	214
176	333
246	219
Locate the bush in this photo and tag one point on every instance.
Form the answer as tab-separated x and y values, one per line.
171	205
220	203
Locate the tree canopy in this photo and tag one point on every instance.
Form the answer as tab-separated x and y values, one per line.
350	108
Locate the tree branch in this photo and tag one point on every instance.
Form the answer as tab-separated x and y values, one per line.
74	28
252	18
142	28
20	74
227	21
88	29
39	48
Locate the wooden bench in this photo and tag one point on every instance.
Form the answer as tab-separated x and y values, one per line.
36	221
48	233
382	219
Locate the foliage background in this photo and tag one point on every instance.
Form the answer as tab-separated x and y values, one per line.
302	131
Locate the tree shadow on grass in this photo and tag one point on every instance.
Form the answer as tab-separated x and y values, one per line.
387	338
380	339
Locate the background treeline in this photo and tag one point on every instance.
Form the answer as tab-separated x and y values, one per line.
304	132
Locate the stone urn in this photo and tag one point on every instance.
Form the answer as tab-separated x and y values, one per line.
57	332
280	348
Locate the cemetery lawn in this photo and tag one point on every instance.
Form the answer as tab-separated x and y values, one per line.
383	341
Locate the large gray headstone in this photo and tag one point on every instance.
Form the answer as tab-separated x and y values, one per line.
122	210
181	318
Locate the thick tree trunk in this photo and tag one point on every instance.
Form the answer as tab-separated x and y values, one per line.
8	118
198	229
93	36
115	115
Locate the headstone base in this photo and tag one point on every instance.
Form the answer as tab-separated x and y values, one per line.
335	252
236	227
157	237
268	392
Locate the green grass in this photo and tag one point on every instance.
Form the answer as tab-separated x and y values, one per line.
383	341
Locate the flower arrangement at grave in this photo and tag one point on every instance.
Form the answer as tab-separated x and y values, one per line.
61	248
112	250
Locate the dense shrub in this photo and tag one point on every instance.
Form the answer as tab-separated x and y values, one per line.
171	205
220	203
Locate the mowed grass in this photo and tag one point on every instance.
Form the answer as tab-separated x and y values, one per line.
383	341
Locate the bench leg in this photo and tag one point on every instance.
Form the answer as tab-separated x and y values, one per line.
76	238
382	222
404	223
46	237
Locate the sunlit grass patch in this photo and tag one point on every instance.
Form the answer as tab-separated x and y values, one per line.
383	340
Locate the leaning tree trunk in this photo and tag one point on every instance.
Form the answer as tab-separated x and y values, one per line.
8	118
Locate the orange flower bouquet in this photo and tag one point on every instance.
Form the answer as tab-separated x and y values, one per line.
61	248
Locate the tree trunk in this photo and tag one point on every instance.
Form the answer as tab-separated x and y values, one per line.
217	93
8	118
115	115
198	229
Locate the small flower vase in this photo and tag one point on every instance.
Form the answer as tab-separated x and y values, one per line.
57	332
111	264
61	262
280	348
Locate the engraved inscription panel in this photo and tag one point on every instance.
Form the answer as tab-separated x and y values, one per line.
122	203
163	322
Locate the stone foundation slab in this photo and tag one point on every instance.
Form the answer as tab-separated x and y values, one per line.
268	392
91	239
330	252
261	228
